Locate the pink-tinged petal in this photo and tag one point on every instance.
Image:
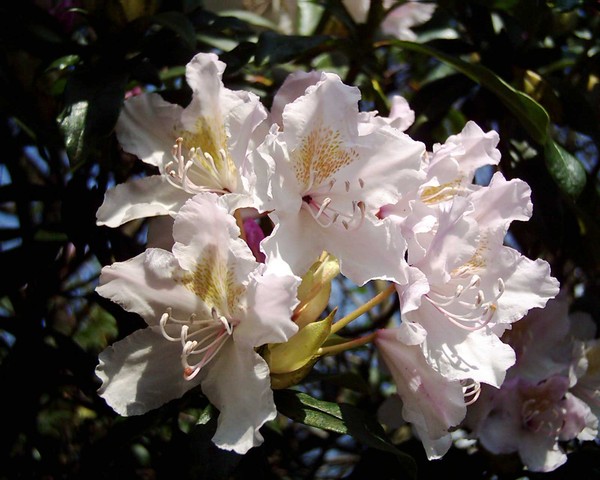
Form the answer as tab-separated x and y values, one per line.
502	202
541	453
401	115
143	285
294	86
142	372
388	166
579	421
202	68
471	148
271	299
528	284
296	240
140	198
460	354
203	74
369	252
399	21
542	342
328	104
215	239
431	403
146	128
246	125
453	243
237	383
411	294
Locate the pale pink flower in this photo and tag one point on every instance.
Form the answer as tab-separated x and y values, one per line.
466	287
431	403
399	21
530	419
327	181
200	148
208	305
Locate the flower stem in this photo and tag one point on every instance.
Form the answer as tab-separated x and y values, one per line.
376	300
340	347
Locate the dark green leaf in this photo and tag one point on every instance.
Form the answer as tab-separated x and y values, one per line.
567	171
532	115
273	48
339	418
93	102
178	23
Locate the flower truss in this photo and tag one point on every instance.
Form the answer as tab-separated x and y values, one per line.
235	306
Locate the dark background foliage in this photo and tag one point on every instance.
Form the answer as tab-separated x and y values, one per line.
65	69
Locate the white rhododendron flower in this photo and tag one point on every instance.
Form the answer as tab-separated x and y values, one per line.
399	21
430	402
466	286
208	305
199	148
327	181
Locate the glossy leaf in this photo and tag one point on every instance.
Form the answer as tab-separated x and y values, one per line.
92	105
339	418
274	48
532	115
567	171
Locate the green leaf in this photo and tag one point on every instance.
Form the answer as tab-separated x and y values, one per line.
93	101
532	115
274	48
178	23
567	171
339	418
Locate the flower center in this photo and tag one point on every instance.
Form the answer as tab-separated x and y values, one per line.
317	201
542	415
201	172
200	340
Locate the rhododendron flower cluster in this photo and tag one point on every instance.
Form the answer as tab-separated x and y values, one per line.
337	191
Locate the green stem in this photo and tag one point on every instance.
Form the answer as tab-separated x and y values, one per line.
340	347
376	300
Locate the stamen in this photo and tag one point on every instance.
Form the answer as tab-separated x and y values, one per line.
479	311
471	391
203	337
208	176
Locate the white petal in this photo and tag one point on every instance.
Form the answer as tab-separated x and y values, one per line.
140	198
146	128
217	236
294	86
541	453
460	354
369	252
142	372
271	299
528	284
143	285
296	240
431	402
237	382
